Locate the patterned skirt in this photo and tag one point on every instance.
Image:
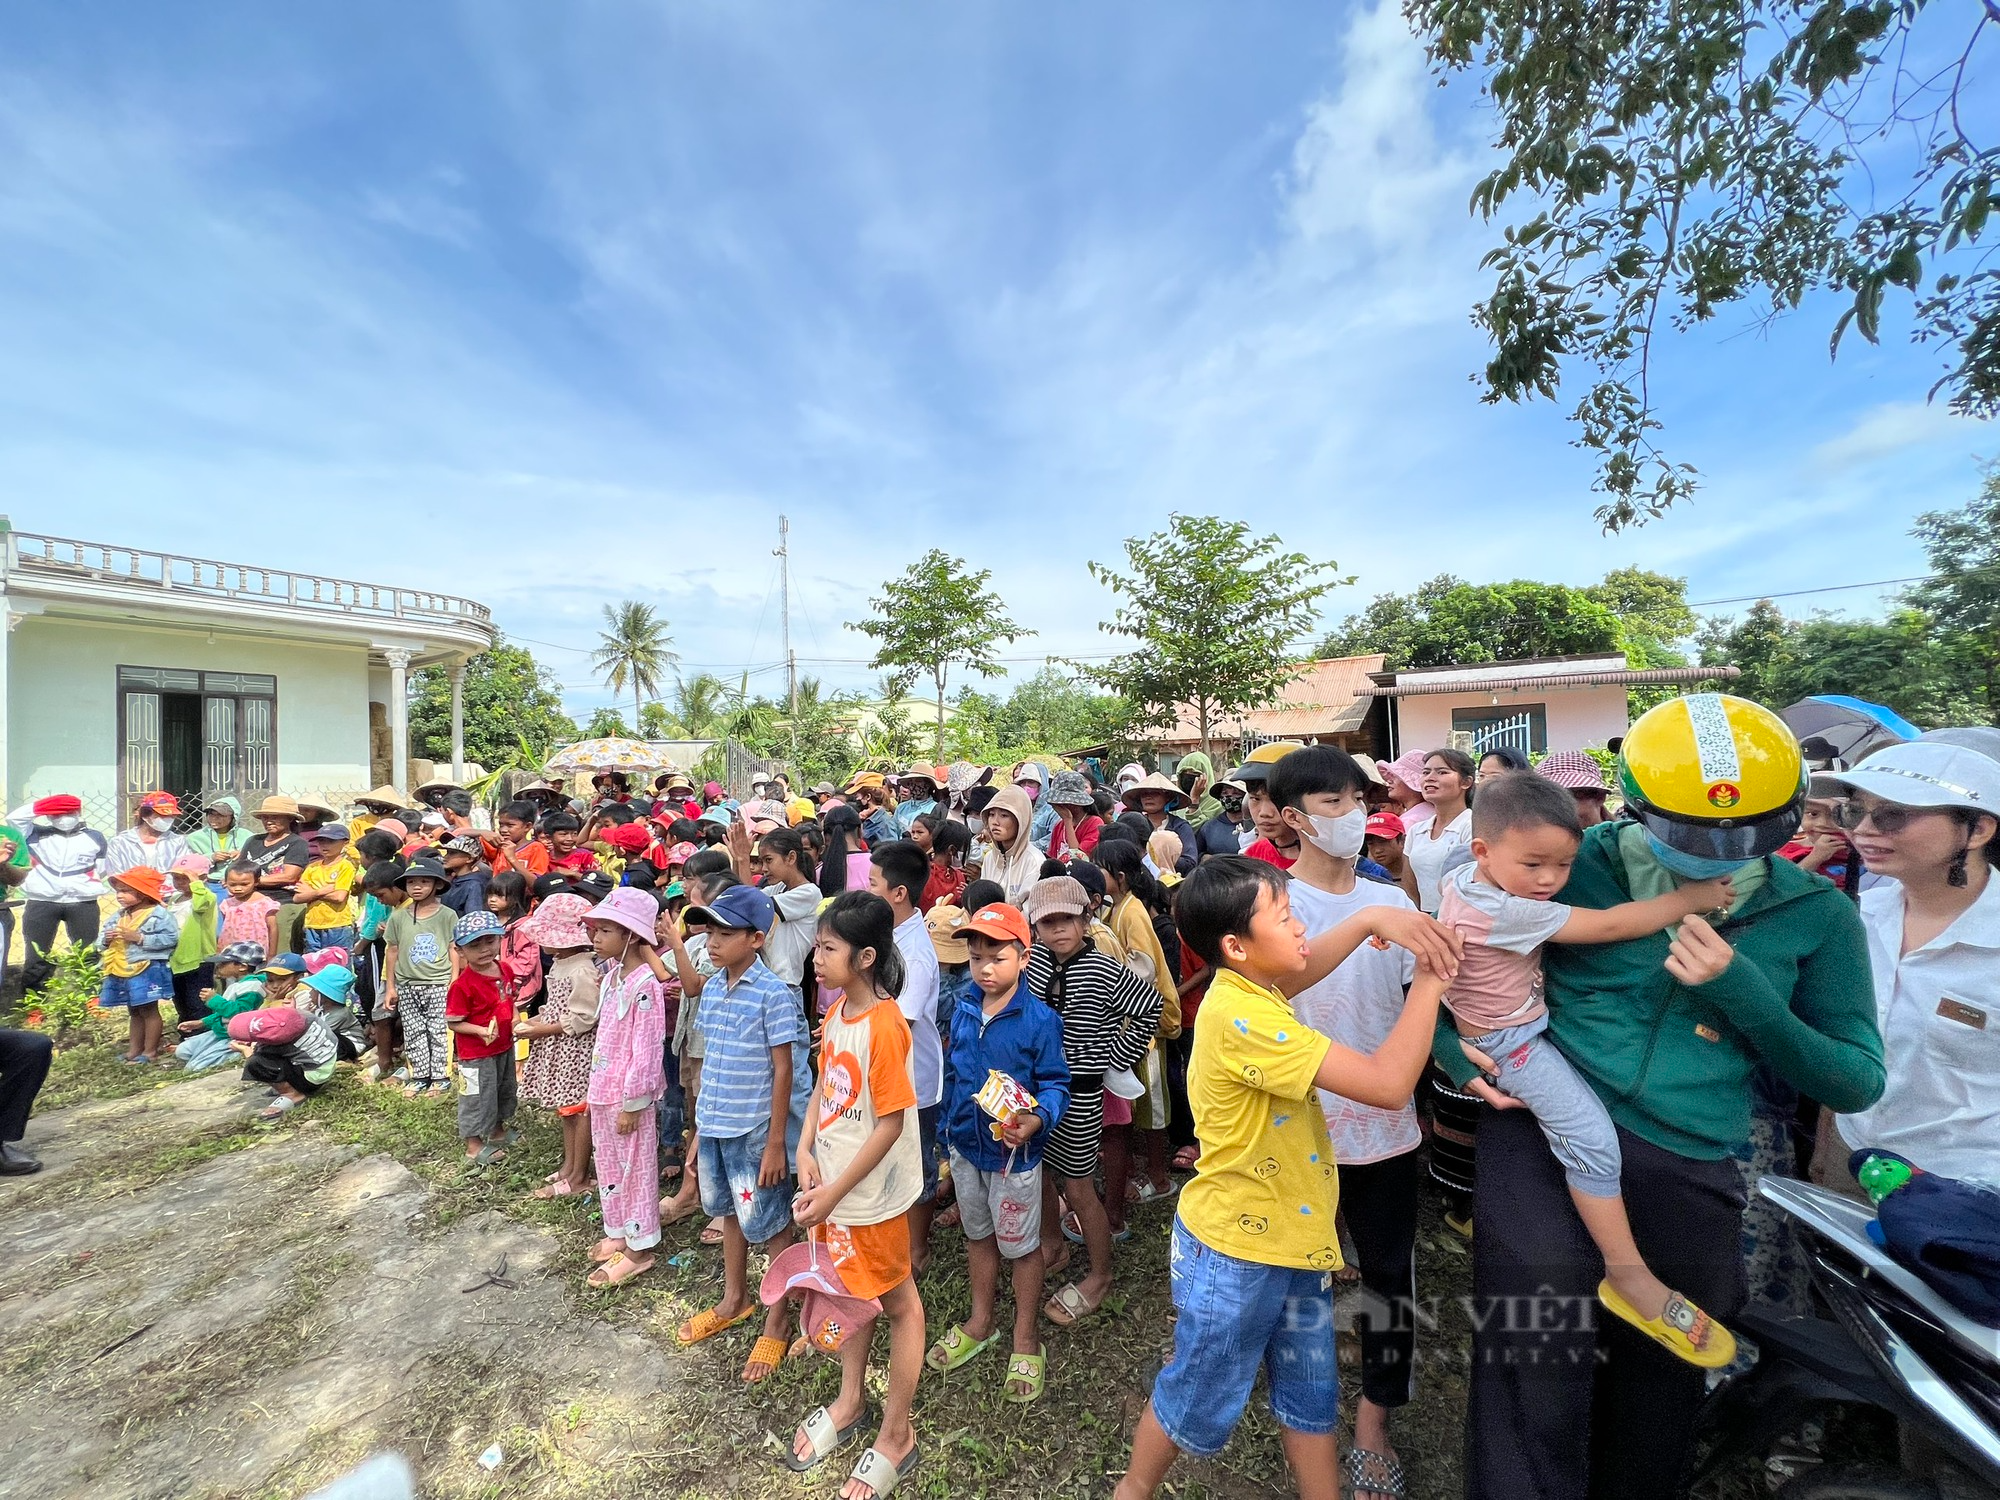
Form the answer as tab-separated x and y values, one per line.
557	1072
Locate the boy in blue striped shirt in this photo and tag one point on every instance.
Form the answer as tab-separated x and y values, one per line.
755	1084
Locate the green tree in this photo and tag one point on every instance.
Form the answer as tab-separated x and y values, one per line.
509	697
634	648
1661	163
1449	622
1760	647
936	616
1390	624
1963	594
606	722
702	704
1057	710
1217	618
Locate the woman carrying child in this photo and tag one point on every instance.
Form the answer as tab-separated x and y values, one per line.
860	1169
137	945
563	1037
626	1078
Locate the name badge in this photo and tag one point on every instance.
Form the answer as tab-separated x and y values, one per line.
1959	1011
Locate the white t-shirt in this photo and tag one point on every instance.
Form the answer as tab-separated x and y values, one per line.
1427	855
864	1073
1357	1006
791	939
1939	1010
919	1005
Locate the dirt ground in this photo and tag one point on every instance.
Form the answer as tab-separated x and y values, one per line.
191	1307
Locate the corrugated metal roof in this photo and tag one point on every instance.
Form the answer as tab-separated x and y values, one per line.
1462	682
1327	697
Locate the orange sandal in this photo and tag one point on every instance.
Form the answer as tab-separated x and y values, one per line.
707	1323
765	1357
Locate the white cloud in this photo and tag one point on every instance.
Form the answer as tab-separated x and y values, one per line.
1892	428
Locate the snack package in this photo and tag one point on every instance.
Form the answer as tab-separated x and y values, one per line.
1003	1098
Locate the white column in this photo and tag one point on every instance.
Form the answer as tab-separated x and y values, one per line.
399	717
458	721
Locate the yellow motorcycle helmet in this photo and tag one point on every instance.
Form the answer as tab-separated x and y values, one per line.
1714	776
1256	767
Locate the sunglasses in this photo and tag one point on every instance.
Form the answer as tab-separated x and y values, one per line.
1888	817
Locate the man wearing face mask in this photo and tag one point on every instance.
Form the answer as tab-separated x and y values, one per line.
1671	1032
151	840
1320	793
1222	834
65	880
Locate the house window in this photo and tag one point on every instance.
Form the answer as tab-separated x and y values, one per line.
1520	726
199	735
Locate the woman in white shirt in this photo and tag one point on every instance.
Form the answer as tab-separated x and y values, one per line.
1927	814
1448	776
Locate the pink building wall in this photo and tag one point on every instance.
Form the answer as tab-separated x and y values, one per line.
1577	717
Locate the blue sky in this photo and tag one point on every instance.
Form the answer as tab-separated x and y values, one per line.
552	305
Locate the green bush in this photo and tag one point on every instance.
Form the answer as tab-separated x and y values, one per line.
63	1009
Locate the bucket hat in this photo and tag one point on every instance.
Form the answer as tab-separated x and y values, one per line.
1574	769
250	955
829	1315
558	922
424	869
947	923
335	981
144	879
631	909
275	806
1069	789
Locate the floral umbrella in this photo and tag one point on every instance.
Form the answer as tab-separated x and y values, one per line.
612	753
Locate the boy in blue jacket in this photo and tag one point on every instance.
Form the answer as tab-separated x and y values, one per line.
1001	1027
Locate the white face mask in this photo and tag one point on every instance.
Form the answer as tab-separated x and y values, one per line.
66	824
160	825
1341	837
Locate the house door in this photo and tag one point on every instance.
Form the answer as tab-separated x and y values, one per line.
199	735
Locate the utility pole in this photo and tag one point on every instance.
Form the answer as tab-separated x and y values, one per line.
784	551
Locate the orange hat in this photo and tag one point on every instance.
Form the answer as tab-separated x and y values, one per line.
165	802
1000	922
144	879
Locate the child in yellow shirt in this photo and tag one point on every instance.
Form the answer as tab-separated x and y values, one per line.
326	890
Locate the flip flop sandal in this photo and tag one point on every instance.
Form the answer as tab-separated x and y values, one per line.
1187	1158
707	1323
556	1189
277	1109
765	1357
880	1474
825	1438
415	1090
617	1271
607	1249
1028	1372
949	1219
1071	1303
1147	1193
490	1156
670	1215
957	1348
1371	1473
1682	1329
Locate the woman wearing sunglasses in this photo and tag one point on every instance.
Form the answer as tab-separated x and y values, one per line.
1927	815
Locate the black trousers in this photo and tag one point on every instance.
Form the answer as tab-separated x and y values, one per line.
188	1004
1567	1401
39	924
24	1064
1175	1055
275	1065
1379	1201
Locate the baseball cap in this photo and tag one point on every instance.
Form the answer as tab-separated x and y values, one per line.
465	843
1057	896
328	833
475	925
1000	922
165	802
286	963
743	907
1385	825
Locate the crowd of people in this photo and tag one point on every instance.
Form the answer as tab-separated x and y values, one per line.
1014	1006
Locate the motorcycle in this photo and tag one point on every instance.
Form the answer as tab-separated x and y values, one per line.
1882	1342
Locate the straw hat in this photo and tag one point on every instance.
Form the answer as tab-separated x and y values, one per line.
382	796
1155	783
275	806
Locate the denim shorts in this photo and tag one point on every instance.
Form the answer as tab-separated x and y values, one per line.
729	1188
1235	1317
149	986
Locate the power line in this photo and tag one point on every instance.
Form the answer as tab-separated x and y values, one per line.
1836	588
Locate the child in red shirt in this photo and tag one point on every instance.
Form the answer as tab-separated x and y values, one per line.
479	1009
947	844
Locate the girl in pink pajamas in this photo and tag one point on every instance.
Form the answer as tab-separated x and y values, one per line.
626	1078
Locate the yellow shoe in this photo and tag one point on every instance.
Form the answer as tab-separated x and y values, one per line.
1684	1329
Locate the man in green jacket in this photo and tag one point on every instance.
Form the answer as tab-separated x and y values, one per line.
1669	1030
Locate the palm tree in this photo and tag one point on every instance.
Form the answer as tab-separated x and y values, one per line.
701	705
635	648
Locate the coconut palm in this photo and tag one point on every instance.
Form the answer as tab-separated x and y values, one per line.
634	648
702	706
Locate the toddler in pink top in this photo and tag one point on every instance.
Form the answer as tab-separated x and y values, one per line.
1525	835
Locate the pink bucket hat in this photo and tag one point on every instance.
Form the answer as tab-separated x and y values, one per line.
629	908
1407	768
829	1314
558	922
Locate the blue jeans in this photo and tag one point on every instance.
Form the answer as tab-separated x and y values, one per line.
1236	1317
204	1050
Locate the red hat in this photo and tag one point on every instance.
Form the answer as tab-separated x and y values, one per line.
1000	922
165	802
144	879
632	838
61	805
1385	825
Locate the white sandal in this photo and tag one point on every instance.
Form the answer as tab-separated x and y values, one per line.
880	1475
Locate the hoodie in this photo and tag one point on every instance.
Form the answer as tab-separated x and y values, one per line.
211	845
1676	1065
1209	806
1024	1040
1046	817
1014	867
